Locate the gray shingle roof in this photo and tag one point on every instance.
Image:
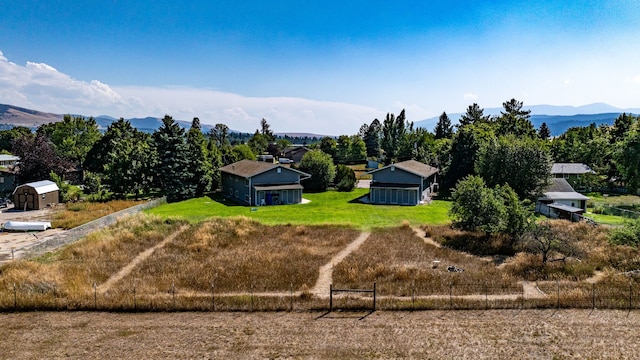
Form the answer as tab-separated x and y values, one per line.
561	190
414	167
248	168
570	168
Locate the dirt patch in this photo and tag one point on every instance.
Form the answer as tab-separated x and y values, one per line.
529	334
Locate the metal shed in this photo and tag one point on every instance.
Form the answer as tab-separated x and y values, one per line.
36	195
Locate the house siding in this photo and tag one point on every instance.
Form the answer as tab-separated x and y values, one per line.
398	187
242	189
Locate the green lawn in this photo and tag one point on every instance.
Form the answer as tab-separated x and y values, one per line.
330	207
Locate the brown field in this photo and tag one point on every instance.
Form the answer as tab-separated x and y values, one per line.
505	334
70	215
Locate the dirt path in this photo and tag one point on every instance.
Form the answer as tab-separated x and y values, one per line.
420	233
103	288
325	278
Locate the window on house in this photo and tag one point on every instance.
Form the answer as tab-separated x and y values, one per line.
393	168
246	182
1	180
279	170
237	194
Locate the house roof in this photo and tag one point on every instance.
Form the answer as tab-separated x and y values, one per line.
411	166
561	190
294	149
5	157
41	187
571	168
567	208
248	168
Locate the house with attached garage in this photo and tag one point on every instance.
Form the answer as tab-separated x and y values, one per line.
561	201
405	183
262	183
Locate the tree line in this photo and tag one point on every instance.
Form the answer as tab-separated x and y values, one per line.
502	150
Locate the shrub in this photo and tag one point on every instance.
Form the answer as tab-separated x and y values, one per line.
345	178
629	234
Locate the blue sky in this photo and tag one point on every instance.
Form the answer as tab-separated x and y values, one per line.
314	66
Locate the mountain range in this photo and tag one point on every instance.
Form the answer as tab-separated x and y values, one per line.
558	118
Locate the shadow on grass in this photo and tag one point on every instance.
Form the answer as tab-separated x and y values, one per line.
479	244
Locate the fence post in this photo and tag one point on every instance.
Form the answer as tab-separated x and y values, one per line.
15	297
251	298
213	297
593	296
630	296
558	294
173	294
12	254
413	295
291	297
450	296
486	297
330	297
522	299
374	296
95	296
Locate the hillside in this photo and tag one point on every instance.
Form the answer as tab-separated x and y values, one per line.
18	116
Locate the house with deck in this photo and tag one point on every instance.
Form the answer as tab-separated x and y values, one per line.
262	183
561	201
405	183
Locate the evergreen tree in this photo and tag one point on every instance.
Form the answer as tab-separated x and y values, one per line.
443	129
474	115
514	120
125	158
372	138
544	133
172	169
200	160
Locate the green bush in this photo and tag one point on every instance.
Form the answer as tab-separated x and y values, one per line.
628	234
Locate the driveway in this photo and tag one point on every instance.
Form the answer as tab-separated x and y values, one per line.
19	240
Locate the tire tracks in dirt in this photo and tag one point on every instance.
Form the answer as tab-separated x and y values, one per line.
325	278
104	287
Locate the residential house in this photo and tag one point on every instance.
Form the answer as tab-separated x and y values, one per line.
405	183
561	201
577	174
36	195
262	183
8	160
294	153
7	181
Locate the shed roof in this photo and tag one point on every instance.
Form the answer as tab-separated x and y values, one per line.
561	190
571	168
41	187
412	166
247	168
567	208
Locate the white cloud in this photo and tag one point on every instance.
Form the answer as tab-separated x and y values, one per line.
635	79
42	87
470	97
568	81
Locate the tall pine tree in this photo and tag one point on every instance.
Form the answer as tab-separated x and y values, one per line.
172	169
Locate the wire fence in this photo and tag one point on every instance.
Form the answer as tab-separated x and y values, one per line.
619	295
53	242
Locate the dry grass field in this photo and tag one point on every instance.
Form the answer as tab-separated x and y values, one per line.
70	215
505	334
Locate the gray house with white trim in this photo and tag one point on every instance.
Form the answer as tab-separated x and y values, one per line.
262	183
405	183
561	201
